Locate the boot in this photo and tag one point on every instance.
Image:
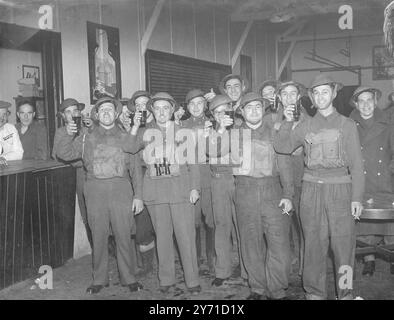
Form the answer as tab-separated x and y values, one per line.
210	248
146	254
198	245
369	268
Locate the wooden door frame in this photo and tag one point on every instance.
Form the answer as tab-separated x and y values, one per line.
48	43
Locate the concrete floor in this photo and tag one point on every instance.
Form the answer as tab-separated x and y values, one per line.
71	280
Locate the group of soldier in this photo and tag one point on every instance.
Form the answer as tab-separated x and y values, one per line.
261	169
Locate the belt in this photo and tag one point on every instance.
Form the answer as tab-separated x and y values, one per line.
221	174
334	172
245	180
327	179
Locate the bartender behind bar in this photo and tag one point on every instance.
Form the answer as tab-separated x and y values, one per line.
33	135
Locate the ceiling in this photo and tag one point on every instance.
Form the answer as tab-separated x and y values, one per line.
266	9
240	10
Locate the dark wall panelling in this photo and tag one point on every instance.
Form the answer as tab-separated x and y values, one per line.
36	222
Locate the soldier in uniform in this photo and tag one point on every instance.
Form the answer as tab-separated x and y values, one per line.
66	110
290	93
222	188
267	90
263	226
107	190
138	102
331	197
197	105
377	145
170	189
234	86
10	144
144	232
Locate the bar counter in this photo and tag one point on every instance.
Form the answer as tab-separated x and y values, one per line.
37	211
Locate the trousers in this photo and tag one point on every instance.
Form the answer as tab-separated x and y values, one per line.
225	220
109	203
264	232
178	219
327	222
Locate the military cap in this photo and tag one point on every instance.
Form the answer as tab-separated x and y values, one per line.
135	96
322	79
218	101
273	83
194	93
222	85
4	104
361	89
252	96
161	96
117	104
70	102
300	87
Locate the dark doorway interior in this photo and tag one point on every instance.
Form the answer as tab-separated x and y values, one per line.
48	43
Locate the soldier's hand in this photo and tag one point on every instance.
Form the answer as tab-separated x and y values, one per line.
357	209
210	95
71	128
3	162
137	206
137	122
286	205
88	122
289	112
194	196
179	114
124	118
208	125
225	121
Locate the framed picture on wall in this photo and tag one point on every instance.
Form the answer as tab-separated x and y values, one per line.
31	72
382	63
104	61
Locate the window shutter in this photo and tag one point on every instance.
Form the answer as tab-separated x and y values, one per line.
178	74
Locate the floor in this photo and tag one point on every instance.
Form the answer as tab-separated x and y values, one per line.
71	280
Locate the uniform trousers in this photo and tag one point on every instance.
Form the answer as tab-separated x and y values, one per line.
223	189
80	182
178	219
327	221
264	232
109	202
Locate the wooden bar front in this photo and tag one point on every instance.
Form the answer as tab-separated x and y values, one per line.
37	210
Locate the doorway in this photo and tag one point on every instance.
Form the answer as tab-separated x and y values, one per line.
48	45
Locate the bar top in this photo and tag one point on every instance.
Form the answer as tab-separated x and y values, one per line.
19	166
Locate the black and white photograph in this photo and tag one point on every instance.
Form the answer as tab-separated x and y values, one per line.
191	156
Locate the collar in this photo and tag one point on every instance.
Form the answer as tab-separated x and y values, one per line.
111	131
330	117
33	124
164	129
245	125
202	118
379	116
4	126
